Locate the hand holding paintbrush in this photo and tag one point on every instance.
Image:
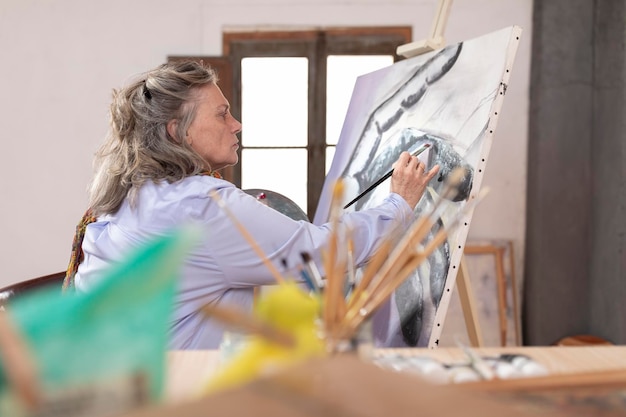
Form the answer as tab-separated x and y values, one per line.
405	162
410	178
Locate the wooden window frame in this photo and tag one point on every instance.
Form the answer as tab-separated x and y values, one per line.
316	44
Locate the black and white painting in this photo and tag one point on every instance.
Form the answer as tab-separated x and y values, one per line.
450	99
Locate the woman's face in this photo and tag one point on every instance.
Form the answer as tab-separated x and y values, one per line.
213	132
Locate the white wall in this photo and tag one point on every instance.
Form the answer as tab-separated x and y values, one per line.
60	60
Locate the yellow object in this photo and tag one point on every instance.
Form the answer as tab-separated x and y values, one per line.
288	308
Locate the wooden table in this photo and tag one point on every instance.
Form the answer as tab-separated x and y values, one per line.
583	381
189	370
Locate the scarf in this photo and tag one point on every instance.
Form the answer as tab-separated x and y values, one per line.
77	255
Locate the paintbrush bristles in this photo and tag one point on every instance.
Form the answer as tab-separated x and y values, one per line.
335	267
338	190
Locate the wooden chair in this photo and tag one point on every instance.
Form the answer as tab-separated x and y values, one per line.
15	290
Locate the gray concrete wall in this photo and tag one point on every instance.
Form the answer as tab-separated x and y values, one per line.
608	266
575	201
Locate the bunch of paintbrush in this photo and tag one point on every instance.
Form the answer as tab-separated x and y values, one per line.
390	266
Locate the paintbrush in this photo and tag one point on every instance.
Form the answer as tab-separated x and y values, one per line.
308	280
372	268
312	270
478	364
351	274
19	364
305	276
279	278
334	265
384	177
248	323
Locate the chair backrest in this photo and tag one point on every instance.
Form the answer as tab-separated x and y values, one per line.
15	290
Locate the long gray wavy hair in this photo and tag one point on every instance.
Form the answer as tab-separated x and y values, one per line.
138	147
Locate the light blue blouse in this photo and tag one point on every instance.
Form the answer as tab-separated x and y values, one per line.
223	268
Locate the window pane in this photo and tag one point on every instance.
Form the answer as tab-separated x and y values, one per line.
343	71
281	170
274	101
330	154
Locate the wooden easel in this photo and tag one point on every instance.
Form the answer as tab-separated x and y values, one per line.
497	249
468	305
436	41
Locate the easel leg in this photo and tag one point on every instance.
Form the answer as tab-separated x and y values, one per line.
467	304
501	284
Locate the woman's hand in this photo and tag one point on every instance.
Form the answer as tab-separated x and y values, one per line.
410	178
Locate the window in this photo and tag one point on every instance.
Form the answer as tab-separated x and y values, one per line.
291	90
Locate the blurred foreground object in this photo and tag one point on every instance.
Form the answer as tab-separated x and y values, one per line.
343	385
288	310
101	353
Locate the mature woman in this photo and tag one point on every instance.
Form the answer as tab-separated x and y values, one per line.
171	131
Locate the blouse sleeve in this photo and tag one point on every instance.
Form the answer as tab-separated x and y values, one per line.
283	239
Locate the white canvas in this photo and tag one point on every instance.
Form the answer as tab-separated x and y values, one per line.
448	98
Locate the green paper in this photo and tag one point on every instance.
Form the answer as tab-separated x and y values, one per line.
117	331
